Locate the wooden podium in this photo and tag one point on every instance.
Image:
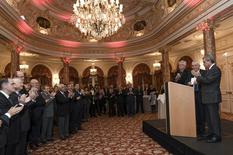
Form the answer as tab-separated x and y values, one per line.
180	110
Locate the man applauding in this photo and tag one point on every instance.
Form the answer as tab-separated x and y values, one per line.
211	96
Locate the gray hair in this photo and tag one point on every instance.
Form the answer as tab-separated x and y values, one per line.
209	57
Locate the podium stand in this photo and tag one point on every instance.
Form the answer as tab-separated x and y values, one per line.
180	110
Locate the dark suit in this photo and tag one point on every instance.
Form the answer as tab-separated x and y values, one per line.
139	100
36	119
199	107
5	105
184	77
211	97
13	131
130	102
63	110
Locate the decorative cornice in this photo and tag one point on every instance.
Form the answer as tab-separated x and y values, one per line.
181	21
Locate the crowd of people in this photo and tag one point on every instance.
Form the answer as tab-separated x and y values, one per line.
29	111
206	85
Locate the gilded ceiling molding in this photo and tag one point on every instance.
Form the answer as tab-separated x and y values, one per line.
173	26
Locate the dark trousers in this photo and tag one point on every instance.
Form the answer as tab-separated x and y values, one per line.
2	150
139	104
200	114
35	131
213	119
11	149
131	108
93	109
102	106
63	124
21	147
47	127
112	109
120	108
74	117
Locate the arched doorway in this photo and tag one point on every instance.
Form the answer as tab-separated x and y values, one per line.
7	70
189	61
141	75
113	74
86	79
73	75
43	74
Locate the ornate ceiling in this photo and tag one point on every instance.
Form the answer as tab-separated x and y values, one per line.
162	26
58	13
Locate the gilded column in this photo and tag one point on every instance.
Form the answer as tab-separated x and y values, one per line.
14	61
165	66
120	77
207	27
66	61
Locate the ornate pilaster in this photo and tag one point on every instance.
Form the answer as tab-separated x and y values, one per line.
15	59
207	27
120	78
66	61
165	64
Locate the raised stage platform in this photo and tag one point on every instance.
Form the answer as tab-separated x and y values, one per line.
190	146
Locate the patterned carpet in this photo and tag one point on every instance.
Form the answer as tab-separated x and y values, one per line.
107	136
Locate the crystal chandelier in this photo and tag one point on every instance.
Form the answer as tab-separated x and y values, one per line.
98	18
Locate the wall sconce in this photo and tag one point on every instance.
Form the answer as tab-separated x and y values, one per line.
202	52
56	79
157	65
129	78
23	67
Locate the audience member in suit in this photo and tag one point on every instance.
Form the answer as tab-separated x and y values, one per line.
79	106
13	135
120	102
86	102
37	110
93	104
48	115
75	111
25	120
211	96
63	111
112	102
182	74
199	107
6	88
139	99
130	101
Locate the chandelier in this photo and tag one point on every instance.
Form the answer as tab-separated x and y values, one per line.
98	18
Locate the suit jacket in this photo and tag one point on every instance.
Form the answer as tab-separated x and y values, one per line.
49	107
5	105
63	104
14	128
5	120
210	86
37	109
184	77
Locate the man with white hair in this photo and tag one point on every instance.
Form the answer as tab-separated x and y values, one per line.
182	73
199	107
63	111
36	116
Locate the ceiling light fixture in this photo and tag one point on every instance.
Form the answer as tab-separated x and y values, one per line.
98	19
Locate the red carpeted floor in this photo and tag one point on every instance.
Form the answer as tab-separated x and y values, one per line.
107	136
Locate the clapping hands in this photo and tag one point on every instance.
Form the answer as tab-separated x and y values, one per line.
195	74
15	110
